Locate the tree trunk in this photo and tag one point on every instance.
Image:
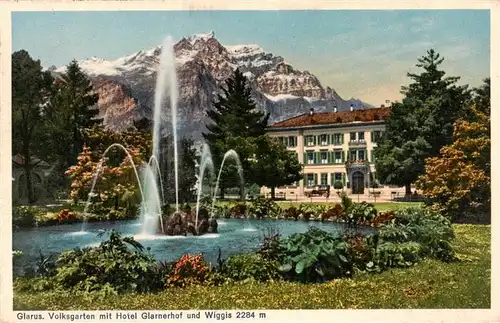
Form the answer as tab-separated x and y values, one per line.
29	184
222	189
408	189
273	192
27	174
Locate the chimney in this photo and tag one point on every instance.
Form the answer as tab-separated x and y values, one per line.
311	111
352	107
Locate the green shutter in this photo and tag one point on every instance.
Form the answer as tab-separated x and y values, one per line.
304	140
372	137
371	156
343	156
315	179
330	157
315	140
305	159
342	138
317	157
343	178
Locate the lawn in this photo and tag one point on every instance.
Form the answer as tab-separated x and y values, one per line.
430	284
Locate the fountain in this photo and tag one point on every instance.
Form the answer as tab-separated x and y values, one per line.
229	154
152	218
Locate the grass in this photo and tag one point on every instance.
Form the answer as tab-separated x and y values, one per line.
430	284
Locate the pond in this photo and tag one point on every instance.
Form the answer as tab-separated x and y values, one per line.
234	236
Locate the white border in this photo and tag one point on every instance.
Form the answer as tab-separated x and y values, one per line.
491	315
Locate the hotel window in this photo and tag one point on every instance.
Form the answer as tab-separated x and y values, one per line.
338	177
337	138
377	134
310	141
310	157
310	180
361	155
352	136
292	141
338	157
323	140
324	157
324	179
353	155
361	135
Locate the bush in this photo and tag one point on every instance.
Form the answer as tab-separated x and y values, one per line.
110	268
338	185
360	213
250	267
261	208
270	248
238	210
66	216
25	216
315	256
188	270
334	213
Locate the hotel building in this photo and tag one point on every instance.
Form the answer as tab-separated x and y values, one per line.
333	147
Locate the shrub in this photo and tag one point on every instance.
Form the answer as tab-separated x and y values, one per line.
383	218
238	210
189	270
66	216
250	266
360	213
315	256
338	185
110	268
25	216
334	213
390	254
291	213
270	248
261	208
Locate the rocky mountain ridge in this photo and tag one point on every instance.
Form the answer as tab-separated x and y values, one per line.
126	85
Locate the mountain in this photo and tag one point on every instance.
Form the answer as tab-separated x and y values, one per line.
126	85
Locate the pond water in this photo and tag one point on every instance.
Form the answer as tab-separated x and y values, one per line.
234	236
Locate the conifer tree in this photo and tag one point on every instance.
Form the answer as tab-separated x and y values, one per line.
235	115
421	125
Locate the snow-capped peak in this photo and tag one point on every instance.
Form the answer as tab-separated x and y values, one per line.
204	37
239	51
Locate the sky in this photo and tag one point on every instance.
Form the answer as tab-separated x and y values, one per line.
361	54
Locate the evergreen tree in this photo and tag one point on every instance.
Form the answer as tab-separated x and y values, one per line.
235	115
72	111
186	168
419	126
30	90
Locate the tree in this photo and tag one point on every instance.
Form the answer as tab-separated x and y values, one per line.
30	89
458	181
274	165
187	169
235	115
117	180
421	124
73	109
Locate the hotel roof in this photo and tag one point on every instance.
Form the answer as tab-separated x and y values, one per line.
329	118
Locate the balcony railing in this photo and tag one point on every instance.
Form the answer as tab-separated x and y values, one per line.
358	142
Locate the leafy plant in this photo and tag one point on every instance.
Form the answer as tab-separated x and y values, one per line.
238	210
360	213
112	267
315	256
250	267
270	248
